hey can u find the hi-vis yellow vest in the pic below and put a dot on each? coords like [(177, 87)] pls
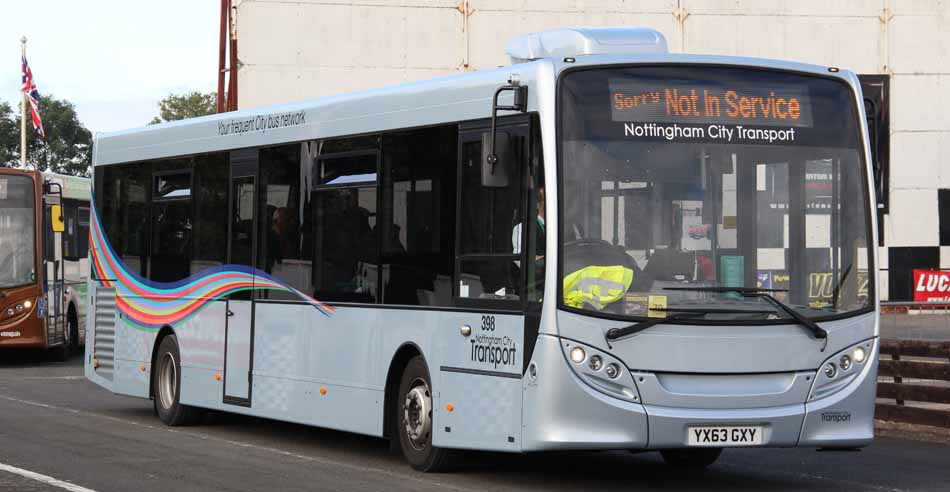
[(596, 286)]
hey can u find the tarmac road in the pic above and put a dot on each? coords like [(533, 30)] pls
[(56, 424)]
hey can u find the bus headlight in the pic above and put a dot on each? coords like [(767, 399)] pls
[(578, 355), (840, 369), (603, 372), (859, 354), (27, 304)]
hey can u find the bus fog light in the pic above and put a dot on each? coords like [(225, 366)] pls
[(10, 311), (596, 363), (830, 370), (613, 370), (845, 362), (578, 355), (19, 308), (859, 355)]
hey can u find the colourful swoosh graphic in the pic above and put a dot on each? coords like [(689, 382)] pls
[(150, 305)]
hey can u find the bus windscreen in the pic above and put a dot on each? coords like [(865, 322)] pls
[(699, 177), (17, 233)]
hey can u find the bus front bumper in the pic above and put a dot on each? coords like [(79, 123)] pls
[(561, 411)]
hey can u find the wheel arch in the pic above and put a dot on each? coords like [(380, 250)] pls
[(397, 365), (162, 333)]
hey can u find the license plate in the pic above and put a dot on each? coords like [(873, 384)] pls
[(738, 435)]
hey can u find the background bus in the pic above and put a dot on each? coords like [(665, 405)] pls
[(43, 273), (571, 252)]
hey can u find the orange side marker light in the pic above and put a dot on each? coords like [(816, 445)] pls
[(95, 363), (323, 391), (217, 377), (142, 367), (449, 407)]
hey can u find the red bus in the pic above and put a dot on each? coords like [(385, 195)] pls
[(44, 243)]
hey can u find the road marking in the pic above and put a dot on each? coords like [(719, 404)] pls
[(64, 378), (43, 478), (245, 445)]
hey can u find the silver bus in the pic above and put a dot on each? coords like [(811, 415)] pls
[(602, 245)]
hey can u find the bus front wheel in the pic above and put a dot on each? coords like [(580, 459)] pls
[(414, 418), (691, 458), (166, 376)]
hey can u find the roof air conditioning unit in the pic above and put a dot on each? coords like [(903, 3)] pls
[(570, 42)]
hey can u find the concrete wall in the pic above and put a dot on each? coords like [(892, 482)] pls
[(305, 48)]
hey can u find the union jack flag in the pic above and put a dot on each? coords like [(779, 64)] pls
[(29, 87)]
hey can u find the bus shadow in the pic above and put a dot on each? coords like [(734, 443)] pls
[(604, 470), (27, 358)]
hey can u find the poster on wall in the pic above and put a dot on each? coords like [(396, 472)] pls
[(931, 285)]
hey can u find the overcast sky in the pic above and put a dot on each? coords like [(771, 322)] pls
[(114, 59)]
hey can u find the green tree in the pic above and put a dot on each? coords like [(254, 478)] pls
[(67, 148), (9, 136), (189, 105)]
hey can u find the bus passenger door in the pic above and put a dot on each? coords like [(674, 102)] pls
[(482, 345), (239, 326)]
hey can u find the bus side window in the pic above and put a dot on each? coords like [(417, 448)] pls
[(346, 264), (82, 233), (417, 209)]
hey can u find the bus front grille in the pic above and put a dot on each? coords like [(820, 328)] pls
[(104, 348)]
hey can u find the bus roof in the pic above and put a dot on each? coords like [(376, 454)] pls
[(466, 96), (74, 187)]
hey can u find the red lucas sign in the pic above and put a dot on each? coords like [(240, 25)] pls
[(931, 285)]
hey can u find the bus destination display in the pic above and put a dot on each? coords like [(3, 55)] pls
[(693, 110)]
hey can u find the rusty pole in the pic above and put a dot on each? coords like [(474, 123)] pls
[(233, 68), (222, 50)]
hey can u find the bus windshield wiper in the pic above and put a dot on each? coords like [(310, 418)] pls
[(803, 320), (680, 314)]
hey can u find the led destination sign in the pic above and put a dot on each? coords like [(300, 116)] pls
[(676, 102)]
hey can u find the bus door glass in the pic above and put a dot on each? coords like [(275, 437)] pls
[(242, 235), (53, 268)]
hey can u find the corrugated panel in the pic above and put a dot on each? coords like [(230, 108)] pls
[(104, 349)]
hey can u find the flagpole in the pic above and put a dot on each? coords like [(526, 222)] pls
[(23, 104)]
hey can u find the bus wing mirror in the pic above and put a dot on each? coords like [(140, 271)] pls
[(56, 218), (495, 163)]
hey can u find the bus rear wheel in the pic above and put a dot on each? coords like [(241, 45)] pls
[(414, 418), (167, 386), (691, 458)]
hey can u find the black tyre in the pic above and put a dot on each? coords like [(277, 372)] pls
[(62, 352), (73, 322), (691, 458), (166, 384), (414, 418)]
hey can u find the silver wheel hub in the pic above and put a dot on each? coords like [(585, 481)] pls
[(417, 414), (167, 380)]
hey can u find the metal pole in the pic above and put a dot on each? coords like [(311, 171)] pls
[(23, 110)]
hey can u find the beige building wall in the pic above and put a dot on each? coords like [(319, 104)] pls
[(290, 50)]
